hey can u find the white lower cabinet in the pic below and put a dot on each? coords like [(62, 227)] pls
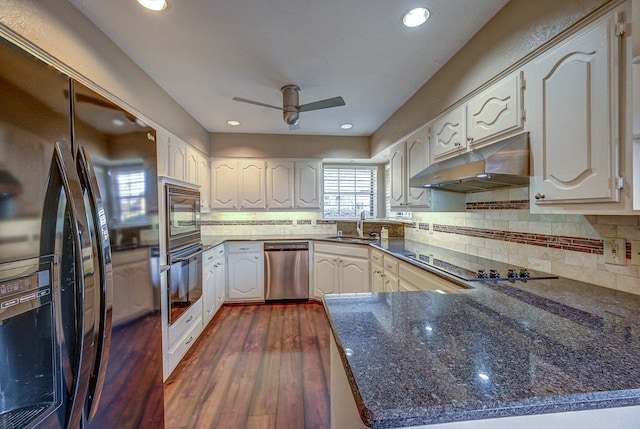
[(213, 280), (415, 278), (340, 268), (245, 270)]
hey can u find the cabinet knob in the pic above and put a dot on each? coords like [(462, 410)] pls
[(457, 144), (538, 196), (469, 139), (255, 257)]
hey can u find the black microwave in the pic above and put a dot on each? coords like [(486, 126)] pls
[(183, 217)]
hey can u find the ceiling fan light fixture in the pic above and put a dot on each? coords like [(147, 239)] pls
[(154, 4), (416, 17), (346, 126), (233, 123)]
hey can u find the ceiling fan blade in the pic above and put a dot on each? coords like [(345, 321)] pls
[(322, 104), (257, 103)]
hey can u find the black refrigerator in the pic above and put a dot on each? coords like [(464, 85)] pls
[(80, 325)]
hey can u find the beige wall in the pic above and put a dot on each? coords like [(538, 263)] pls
[(516, 31), (61, 31), (286, 146)]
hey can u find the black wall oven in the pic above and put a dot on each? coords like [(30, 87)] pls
[(184, 249), (183, 217), (185, 280)]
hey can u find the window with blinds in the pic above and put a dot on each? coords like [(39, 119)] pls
[(130, 195), (350, 190)]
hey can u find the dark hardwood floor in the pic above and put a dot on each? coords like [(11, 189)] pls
[(255, 366)]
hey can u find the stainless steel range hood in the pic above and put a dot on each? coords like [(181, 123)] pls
[(499, 165)]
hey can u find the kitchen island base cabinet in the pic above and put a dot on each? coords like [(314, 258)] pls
[(344, 411)]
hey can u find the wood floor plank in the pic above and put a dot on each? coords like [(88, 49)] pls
[(316, 392), (265, 394), (290, 413), (256, 366)]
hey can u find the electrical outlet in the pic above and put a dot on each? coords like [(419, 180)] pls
[(615, 251), (635, 252)]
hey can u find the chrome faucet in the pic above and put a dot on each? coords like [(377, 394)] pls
[(360, 224)]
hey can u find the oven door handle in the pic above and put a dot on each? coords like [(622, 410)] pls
[(189, 257), (105, 304), (84, 272)]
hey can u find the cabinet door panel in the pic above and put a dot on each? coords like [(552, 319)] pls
[(398, 175), (177, 159), (449, 133), (354, 275), (246, 277), (251, 184), (417, 150), (279, 184), (308, 184), (495, 111), (325, 274), (224, 183), (204, 180), (575, 140)]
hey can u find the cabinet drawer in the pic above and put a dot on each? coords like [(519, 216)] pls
[(355, 250), (209, 257), (390, 264), (244, 246), (193, 316), (178, 350), (377, 257)]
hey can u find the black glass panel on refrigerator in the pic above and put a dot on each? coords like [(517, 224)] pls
[(122, 150)]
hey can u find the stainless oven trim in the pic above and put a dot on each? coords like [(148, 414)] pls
[(178, 258), (184, 240)]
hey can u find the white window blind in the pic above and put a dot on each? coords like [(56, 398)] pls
[(130, 195), (349, 190)]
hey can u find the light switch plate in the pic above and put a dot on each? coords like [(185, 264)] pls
[(615, 251), (635, 252)]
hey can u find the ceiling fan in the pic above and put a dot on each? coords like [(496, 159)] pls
[(290, 107)]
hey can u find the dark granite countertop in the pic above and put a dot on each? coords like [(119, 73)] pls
[(499, 349)]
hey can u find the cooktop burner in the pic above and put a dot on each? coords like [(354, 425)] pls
[(475, 268)]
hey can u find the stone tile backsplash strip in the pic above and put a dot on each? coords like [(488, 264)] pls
[(570, 246)]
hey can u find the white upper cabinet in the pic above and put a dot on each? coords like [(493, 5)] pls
[(398, 176), (449, 134), (575, 130), (496, 111), (251, 184), (191, 167), (162, 152), (224, 184), (407, 159), (308, 184), (280, 184), (204, 180), (178, 159)]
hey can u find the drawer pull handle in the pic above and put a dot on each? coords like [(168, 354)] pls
[(189, 342), (189, 319), (243, 248), (210, 258)]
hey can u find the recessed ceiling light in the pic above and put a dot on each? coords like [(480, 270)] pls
[(118, 122), (233, 123), (416, 17), (346, 126), (154, 4)]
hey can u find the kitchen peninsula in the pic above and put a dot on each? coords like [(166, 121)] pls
[(547, 353)]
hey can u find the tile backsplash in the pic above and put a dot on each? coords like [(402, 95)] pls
[(566, 245), (266, 223)]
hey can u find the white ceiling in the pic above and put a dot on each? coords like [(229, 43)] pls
[(204, 52)]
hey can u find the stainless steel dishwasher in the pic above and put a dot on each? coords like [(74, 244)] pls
[(286, 271)]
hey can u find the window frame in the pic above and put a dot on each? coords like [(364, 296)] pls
[(372, 193)]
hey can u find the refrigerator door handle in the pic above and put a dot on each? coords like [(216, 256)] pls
[(85, 271), (105, 279)]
